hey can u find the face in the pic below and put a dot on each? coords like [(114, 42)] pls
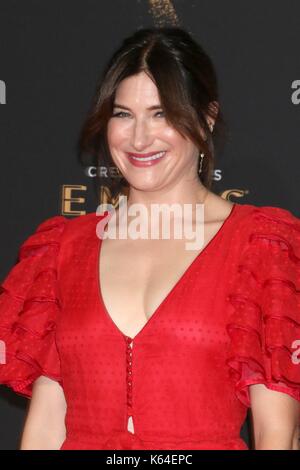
[(149, 153)]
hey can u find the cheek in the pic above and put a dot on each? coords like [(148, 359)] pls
[(175, 140), (114, 134)]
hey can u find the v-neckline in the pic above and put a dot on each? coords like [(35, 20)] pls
[(171, 291)]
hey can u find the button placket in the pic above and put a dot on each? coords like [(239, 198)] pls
[(129, 346)]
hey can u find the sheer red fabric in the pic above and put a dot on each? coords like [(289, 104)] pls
[(230, 321)]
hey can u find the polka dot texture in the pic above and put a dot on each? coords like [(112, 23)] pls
[(183, 379)]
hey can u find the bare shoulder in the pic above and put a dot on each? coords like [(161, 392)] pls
[(218, 208)]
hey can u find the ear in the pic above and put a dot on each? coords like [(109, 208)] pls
[(212, 114)]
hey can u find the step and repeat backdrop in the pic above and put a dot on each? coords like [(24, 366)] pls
[(51, 55)]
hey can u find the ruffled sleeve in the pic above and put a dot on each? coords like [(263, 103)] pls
[(29, 306), (264, 306)]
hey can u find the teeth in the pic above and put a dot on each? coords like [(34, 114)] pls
[(146, 159)]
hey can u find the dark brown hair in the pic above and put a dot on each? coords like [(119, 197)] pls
[(187, 85)]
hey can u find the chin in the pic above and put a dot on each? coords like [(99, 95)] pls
[(141, 186)]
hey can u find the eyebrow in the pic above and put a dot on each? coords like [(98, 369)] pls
[(156, 106)]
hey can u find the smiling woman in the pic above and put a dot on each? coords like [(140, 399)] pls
[(160, 79), (140, 343)]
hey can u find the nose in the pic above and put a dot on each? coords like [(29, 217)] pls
[(142, 136)]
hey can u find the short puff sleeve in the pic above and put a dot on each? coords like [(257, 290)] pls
[(264, 303), (29, 306)]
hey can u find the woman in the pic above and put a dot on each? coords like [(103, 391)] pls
[(140, 343)]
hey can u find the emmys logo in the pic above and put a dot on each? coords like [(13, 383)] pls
[(296, 94), (69, 199), (2, 92)]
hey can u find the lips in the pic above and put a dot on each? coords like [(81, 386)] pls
[(146, 159), (144, 155)]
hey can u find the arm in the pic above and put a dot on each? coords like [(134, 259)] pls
[(296, 439), (44, 427), (275, 419)]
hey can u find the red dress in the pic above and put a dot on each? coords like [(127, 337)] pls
[(231, 320)]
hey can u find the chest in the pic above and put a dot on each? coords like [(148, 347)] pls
[(137, 276)]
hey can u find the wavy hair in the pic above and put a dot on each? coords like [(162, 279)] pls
[(188, 89)]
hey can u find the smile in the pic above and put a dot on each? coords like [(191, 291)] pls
[(147, 159)]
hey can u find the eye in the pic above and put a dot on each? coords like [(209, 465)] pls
[(119, 114), (122, 113)]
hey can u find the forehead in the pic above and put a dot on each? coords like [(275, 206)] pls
[(137, 89)]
